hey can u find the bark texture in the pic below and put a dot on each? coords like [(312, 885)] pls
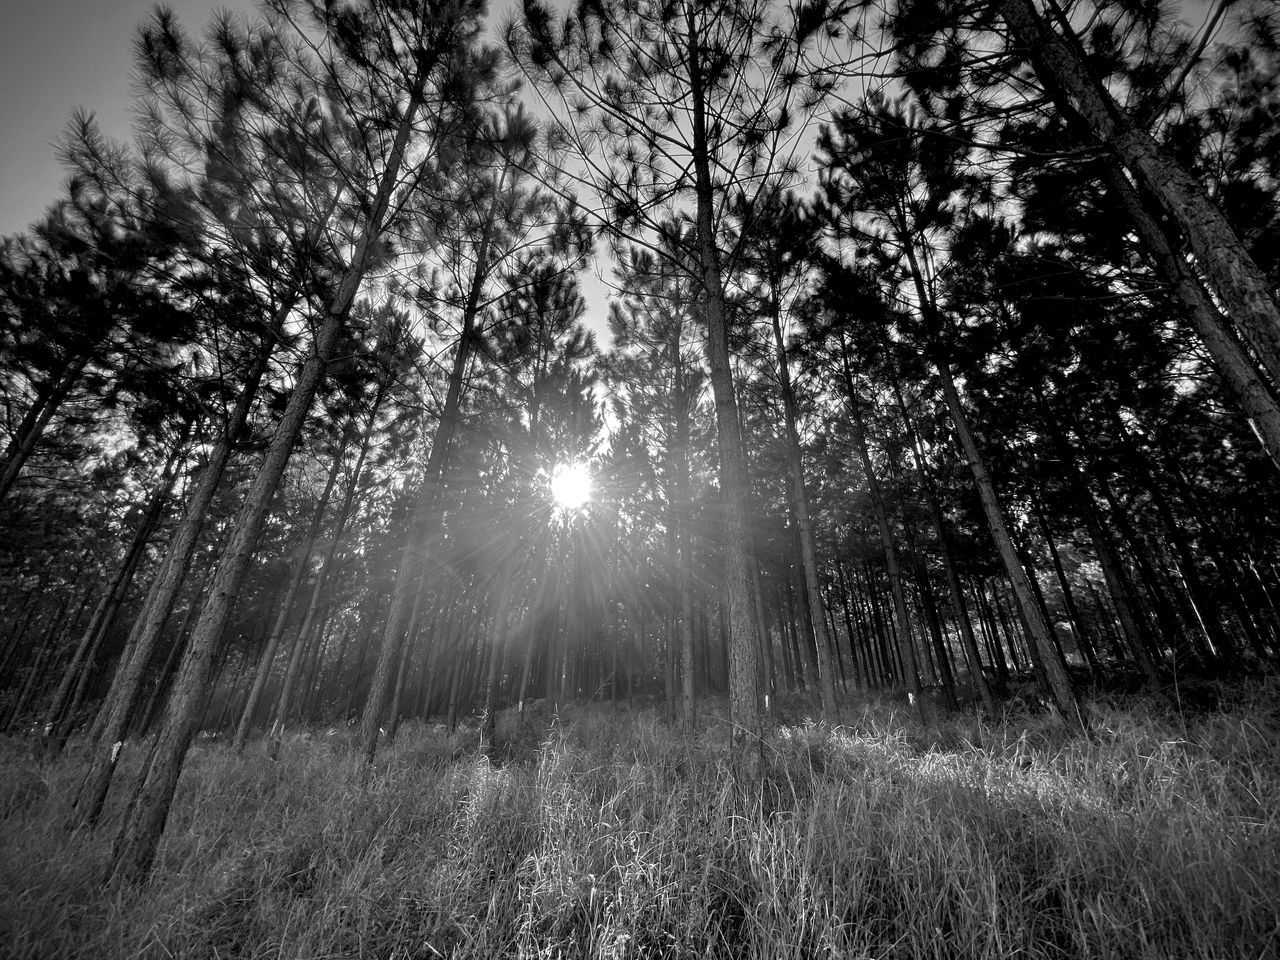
[(1234, 275)]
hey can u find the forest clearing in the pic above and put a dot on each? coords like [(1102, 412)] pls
[(613, 834), (634, 478)]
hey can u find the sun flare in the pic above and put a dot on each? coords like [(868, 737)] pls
[(570, 485)]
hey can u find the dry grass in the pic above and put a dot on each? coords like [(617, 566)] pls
[(615, 835)]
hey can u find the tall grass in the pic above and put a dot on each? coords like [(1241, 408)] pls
[(616, 835)]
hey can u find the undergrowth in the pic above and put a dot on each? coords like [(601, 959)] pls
[(615, 834)]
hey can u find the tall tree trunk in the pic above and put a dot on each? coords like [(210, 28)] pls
[(1162, 610), (143, 719), (744, 645), (268, 657), (147, 629), (428, 509), (71, 691), (45, 649), (857, 661), (1234, 275), (684, 528), (927, 484), (1044, 645), (886, 672), (1232, 362), (136, 847), (1083, 640), (402, 669), (986, 608), (308, 705), (800, 512), (1060, 688), (498, 641), (933, 620), (929, 311), (676, 705), (906, 644), (1204, 604)]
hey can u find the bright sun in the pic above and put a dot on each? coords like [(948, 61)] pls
[(570, 485)]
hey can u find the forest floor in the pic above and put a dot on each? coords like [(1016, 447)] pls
[(615, 834)]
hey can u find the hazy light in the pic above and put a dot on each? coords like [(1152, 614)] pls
[(570, 485)]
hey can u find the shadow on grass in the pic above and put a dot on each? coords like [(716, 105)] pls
[(615, 834)]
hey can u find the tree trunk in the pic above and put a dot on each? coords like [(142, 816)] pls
[(1234, 275), (676, 705), (933, 620), (53, 634), (427, 511), (684, 533), (142, 720), (135, 850), (906, 645), (1232, 362), (1204, 605), (71, 691), (1118, 585), (986, 606), (1064, 696), (804, 523), (136, 847), (744, 646), (150, 623), (498, 641), (1083, 640), (402, 669), (286, 605), (857, 662)]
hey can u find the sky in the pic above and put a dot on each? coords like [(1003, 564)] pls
[(56, 56)]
